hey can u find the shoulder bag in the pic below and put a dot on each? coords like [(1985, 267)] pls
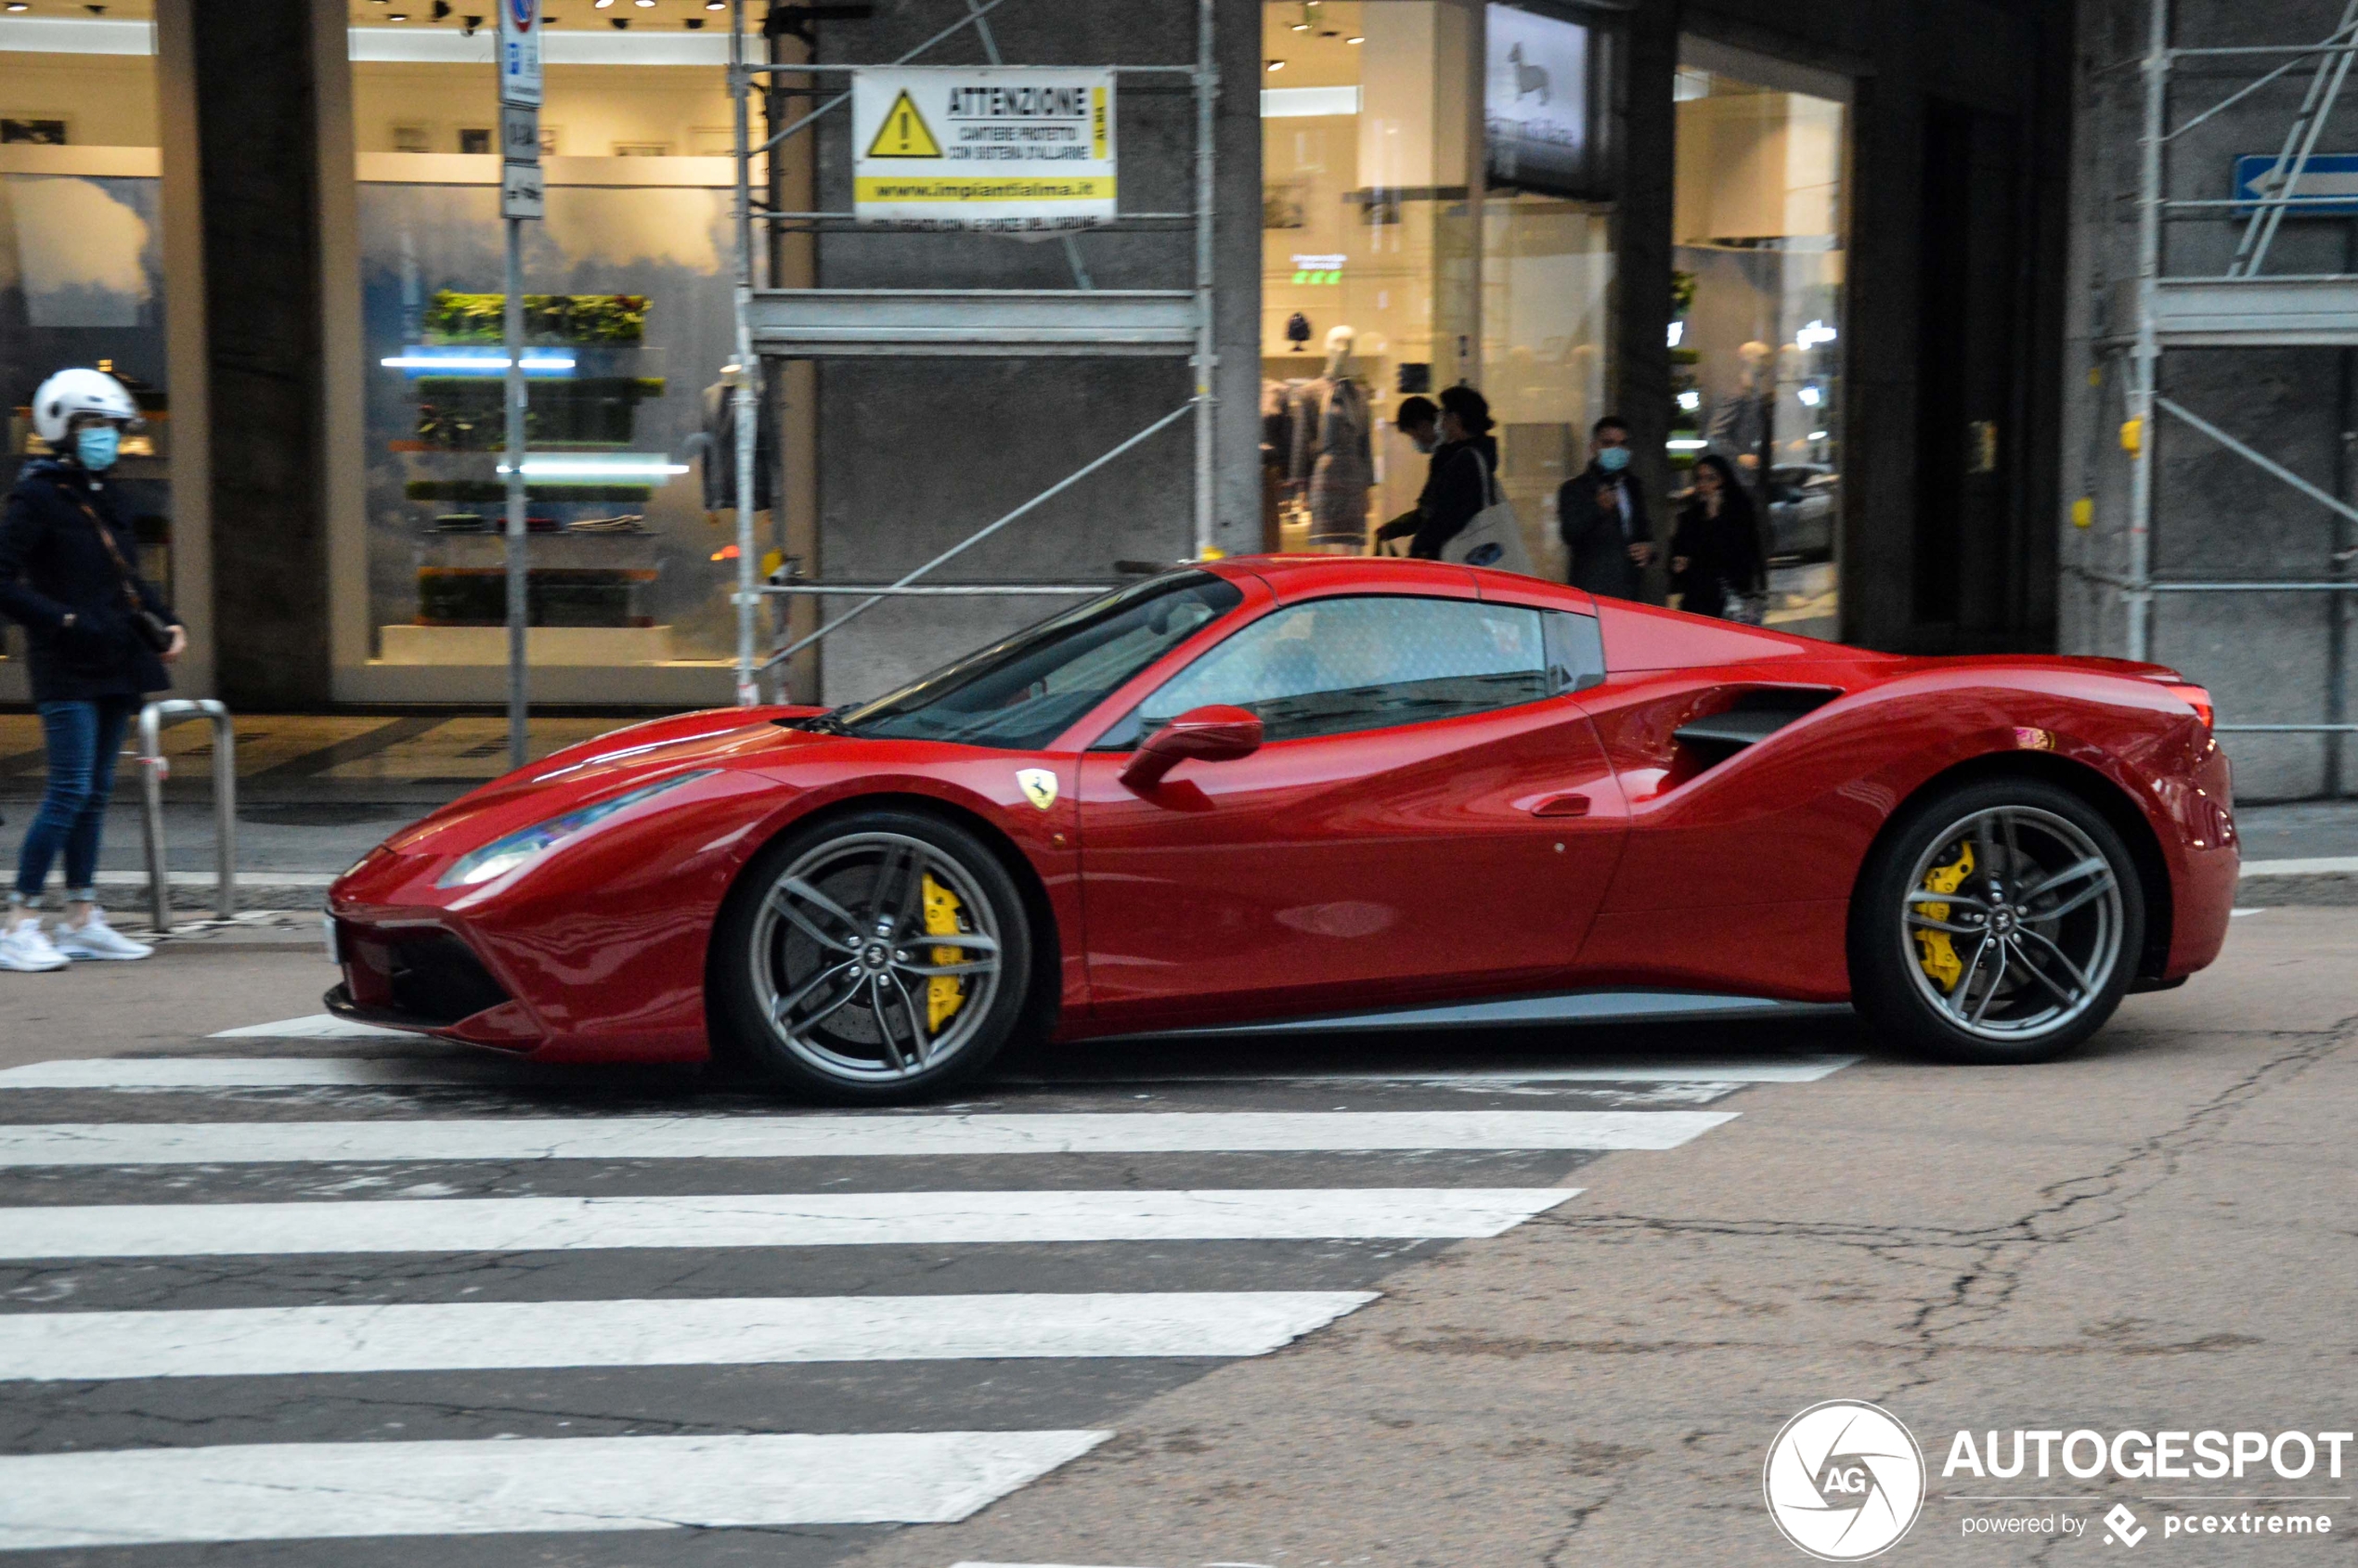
[(146, 625), (1494, 536)]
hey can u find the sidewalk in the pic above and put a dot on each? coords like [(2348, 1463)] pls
[(315, 793)]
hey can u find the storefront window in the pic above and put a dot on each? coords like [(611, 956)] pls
[(1756, 345), (629, 322), (82, 248), (1432, 200), (1367, 255)]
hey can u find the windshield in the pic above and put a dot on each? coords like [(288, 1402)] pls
[(1023, 691)]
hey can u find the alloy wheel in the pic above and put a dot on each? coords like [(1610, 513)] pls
[(876, 957), (2011, 924)]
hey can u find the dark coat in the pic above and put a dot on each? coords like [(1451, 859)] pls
[(1595, 536), (1454, 494), (1722, 555), (52, 562)]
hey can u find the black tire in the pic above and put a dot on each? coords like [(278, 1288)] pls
[(2021, 972), (839, 928)]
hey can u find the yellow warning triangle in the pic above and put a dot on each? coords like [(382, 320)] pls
[(903, 132)]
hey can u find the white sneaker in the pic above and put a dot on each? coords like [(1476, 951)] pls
[(27, 950), (95, 938)]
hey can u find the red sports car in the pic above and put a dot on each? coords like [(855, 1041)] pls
[(1286, 789)]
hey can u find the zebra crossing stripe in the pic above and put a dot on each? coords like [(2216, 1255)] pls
[(257, 1072), (513, 1224), (774, 1137), (475, 1068), (272, 1341), (301, 1490)]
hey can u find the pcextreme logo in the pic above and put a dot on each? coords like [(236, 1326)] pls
[(1845, 1481)]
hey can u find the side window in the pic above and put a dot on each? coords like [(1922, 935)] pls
[(1575, 652), (1336, 665)]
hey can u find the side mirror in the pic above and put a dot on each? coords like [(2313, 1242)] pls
[(1216, 733)]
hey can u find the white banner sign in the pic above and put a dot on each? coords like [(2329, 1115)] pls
[(950, 147)]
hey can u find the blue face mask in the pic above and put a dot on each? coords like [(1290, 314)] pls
[(1613, 460), (97, 444)]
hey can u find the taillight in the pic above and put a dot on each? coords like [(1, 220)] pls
[(2195, 698)]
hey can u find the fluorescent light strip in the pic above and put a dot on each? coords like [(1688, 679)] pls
[(303, 1491), (545, 364), (820, 1137), (598, 468), (441, 1337), (821, 1219)]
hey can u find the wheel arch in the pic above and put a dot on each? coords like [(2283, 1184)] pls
[(2101, 794), (1044, 997)]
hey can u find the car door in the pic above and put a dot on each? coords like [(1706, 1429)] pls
[(1429, 816)]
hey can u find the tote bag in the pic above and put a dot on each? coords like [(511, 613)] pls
[(1493, 537)]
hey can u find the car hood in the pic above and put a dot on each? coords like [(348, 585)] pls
[(734, 739)]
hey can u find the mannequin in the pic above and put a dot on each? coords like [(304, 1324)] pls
[(1738, 427), (1334, 450)]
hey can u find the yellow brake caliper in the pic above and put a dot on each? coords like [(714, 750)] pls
[(1940, 955), (944, 993)]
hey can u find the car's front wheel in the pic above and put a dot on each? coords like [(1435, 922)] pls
[(1997, 921), (873, 958)]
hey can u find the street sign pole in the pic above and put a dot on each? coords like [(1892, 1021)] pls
[(519, 198)]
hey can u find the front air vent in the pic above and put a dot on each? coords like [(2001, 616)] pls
[(1752, 717)]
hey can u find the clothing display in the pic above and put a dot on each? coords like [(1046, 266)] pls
[(1334, 451)]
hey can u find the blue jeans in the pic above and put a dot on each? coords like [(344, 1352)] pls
[(83, 739)]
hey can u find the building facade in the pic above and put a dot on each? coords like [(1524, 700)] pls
[(1827, 243)]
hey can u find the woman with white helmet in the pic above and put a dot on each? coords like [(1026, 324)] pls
[(99, 634)]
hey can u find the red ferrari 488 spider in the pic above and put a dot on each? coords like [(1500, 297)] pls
[(1287, 789)]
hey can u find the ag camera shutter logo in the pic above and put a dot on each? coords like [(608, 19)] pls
[(1845, 1481)]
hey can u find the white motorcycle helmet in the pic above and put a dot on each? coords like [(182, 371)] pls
[(70, 392)]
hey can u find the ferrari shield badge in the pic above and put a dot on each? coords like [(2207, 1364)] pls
[(1039, 785)]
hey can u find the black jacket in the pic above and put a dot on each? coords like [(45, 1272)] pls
[(1454, 494), (52, 562), (1595, 536), (1722, 555)]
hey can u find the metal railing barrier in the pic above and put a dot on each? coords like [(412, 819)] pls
[(153, 770)]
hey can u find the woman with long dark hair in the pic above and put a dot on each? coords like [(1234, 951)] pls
[(1714, 552)]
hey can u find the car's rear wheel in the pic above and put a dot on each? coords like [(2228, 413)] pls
[(873, 958), (1997, 921)]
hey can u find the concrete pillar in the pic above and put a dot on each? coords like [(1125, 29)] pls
[(274, 167)]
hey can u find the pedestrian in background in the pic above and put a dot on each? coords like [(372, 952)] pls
[(1601, 515), (1419, 420), (99, 638), (1458, 488), (1714, 552)]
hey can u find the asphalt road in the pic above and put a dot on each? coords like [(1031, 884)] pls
[(1347, 1307)]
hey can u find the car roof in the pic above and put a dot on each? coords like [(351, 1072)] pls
[(1308, 576)]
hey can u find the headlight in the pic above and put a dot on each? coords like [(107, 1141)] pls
[(504, 855)]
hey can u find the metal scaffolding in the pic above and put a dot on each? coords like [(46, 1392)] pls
[(2156, 310), (776, 323)]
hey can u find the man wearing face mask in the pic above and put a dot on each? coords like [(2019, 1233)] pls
[(1600, 515), (99, 638)]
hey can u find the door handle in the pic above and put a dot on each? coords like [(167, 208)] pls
[(1570, 804)]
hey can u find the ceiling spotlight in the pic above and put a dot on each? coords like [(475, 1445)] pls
[(441, 10), (1275, 65), (646, 5), (601, 4), (397, 16), (1355, 38), (18, 5), (715, 5)]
